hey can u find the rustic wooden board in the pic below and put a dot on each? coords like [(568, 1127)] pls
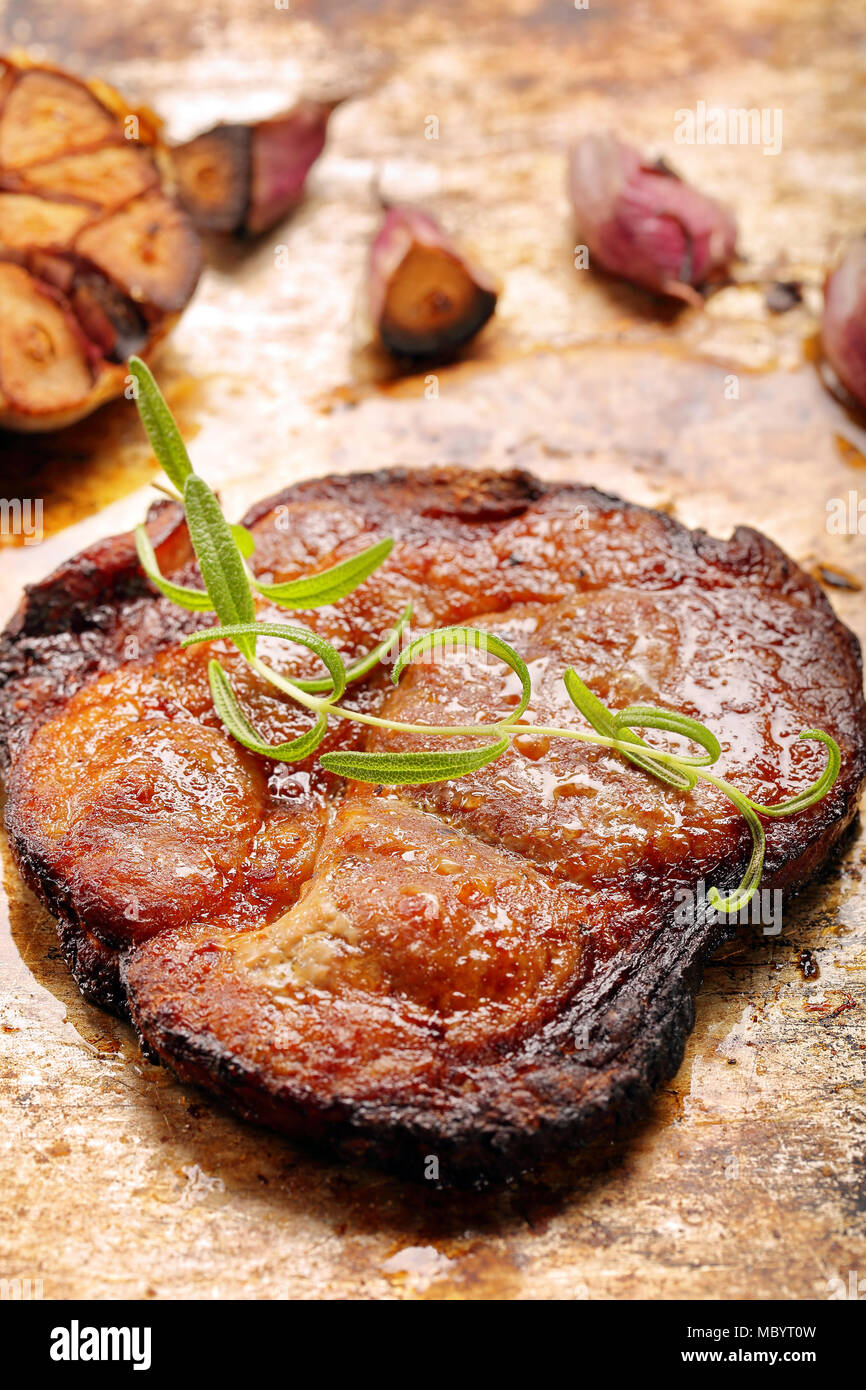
[(749, 1178)]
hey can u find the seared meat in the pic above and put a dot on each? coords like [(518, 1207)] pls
[(478, 970)]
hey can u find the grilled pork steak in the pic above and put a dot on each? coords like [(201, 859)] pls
[(478, 970)]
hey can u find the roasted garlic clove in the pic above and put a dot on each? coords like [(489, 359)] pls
[(843, 327), (244, 178), (30, 222), (150, 248), (642, 222), (425, 300), (103, 178), (47, 114), (43, 359), (212, 175)]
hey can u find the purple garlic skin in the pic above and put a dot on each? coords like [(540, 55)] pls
[(843, 327), (642, 222), (284, 151)]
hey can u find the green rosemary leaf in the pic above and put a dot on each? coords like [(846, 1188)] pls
[(411, 769), (222, 567), (649, 717), (589, 705), (329, 585), (454, 639), (243, 539), (195, 599), (240, 728), (364, 664), (337, 675), (159, 423), (818, 789), (604, 723), (742, 895)]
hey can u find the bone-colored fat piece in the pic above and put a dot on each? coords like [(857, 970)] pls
[(302, 948)]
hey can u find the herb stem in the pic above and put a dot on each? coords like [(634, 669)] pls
[(500, 728)]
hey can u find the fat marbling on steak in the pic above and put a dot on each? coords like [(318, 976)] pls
[(481, 970)]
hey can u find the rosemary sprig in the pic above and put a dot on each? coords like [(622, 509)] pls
[(222, 551)]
